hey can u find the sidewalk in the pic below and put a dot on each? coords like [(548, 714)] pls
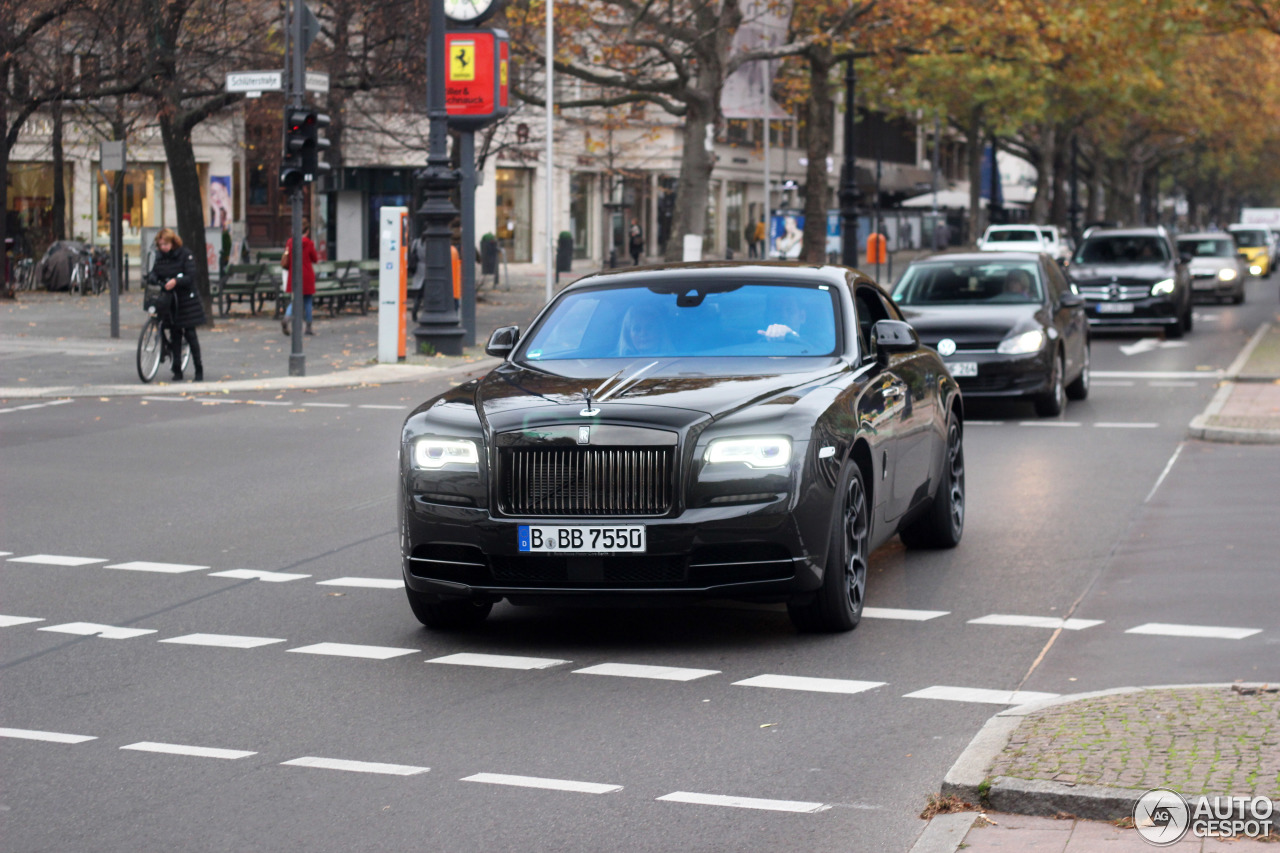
[(1064, 775), (1246, 408)]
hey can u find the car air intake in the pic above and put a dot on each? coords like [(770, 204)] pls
[(588, 481)]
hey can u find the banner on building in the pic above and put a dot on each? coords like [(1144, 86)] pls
[(746, 93)]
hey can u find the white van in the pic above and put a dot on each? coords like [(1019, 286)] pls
[(1013, 238)]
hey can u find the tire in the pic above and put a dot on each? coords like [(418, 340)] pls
[(1051, 403), (943, 524), (447, 615), (1173, 331), (150, 350), (837, 605), (186, 353), (1238, 299), (1188, 320), (1079, 389)]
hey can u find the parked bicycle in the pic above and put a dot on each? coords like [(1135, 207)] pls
[(154, 345)]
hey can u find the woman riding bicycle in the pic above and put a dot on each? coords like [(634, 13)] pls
[(175, 269)]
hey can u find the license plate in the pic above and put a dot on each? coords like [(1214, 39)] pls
[(963, 368), (582, 538), (1115, 307)]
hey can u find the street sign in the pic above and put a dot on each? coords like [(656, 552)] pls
[(111, 156), (475, 77), (317, 81), (255, 81), (310, 26)]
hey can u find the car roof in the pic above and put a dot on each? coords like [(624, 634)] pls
[(718, 270), (979, 257), (1205, 235), (1127, 232)]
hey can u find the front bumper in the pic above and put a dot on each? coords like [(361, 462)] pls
[(1214, 287), (1153, 311), (755, 551), (1002, 375)]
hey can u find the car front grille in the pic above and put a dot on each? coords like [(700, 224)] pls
[(1122, 292), (595, 481)]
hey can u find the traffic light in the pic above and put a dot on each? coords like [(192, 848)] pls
[(303, 144)]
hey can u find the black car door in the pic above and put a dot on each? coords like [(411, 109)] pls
[(1071, 323)]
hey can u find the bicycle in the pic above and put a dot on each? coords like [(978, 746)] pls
[(81, 273), (100, 273), (154, 345), (24, 274)]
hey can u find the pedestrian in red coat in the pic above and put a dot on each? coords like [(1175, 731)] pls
[(309, 259)]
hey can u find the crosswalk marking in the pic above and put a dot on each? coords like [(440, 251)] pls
[(56, 560), (1200, 631), (817, 685), (161, 568), (254, 575), (744, 802), (547, 784), (897, 613), (355, 766), (183, 749), (106, 632), (368, 583), (634, 670), (347, 650), (978, 694), (1035, 622), (225, 641), (51, 737), (10, 621), (498, 661)]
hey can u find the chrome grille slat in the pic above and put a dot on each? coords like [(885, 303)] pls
[(585, 481)]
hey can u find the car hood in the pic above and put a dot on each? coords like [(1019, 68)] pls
[(672, 390), (1121, 272), (972, 324)]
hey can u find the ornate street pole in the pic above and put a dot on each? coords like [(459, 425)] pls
[(439, 325), (849, 194)]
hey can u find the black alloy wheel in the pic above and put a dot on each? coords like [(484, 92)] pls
[(837, 605), (943, 524), (1052, 402)]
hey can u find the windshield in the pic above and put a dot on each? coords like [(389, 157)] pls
[(1250, 239), (1009, 282), (1015, 236), (1122, 249), (675, 321), (1209, 248)]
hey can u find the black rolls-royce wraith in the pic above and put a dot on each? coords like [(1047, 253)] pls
[(745, 431)]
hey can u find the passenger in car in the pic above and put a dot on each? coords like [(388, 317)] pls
[(644, 331)]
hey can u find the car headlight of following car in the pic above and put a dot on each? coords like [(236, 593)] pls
[(432, 453), (1162, 288), (764, 452), (1027, 342), (1255, 269), (1227, 274)]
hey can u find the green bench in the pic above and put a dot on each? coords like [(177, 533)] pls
[(342, 284), (244, 283)]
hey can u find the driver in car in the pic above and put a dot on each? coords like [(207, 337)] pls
[(791, 316)]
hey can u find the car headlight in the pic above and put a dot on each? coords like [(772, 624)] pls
[(1227, 274), (433, 453), (1162, 288), (1032, 341), (1255, 269), (767, 452)]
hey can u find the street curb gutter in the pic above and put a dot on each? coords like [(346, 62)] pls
[(1201, 426)]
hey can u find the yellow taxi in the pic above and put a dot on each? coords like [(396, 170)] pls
[(1254, 242)]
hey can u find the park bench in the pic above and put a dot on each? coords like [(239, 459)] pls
[(241, 283)]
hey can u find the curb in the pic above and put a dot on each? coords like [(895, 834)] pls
[(1201, 427), (381, 374)]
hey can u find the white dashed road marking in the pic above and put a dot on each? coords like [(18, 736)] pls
[(1035, 622), (224, 641), (355, 766), (10, 621), (744, 802), (254, 575), (368, 583), (662, 673), (106, 632), (183, 749), (1156, 374), (908, 615), (1126, 425), (327, 405), (817, 685), (29, 406), (977, 694), (1203, 631), (56, 560), (547, 784), (394, 408), (1049, 423), (161, 568), (1172, 384), (498, 661), (51, 737), (1106, 383), (346, 650)]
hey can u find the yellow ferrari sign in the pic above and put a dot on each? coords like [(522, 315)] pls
[(462, 61)]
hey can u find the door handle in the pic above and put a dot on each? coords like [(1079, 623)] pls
[(893, 391)]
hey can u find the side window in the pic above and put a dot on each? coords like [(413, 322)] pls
[(1058, 283)]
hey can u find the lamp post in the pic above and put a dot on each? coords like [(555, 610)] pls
[(849, 194), (439, 324)]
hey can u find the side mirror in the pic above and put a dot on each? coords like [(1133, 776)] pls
[(892, 336), (1071, 300), (502, 341)]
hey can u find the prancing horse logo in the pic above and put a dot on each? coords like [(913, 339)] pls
[(584, 435)]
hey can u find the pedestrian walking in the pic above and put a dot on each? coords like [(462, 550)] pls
[(635, 241), (175, 269), (309, 259), (749, 235), (760, 235)]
